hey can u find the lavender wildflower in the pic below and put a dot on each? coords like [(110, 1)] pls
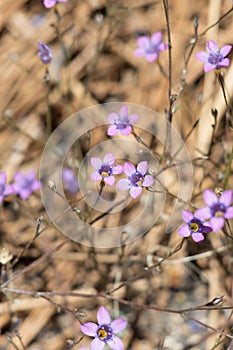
[(150, 47), (105, 169), (70, 181), (121, 123), (45, 53), (194, 226), (51, 3), (5, 190), (25, 183)]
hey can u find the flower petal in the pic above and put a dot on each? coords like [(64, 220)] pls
[(49, 3), (124, 111), (202, 56), (103, 316), (89, 328), (97, 344), (115, 343), (226, 198), (197, 237), (210, 197), (126, 131), (109, 180), (156, 38), (117, 169), (95, 176), (118, 325), (151, 57), (225, 63), (187, 215), (112, 118), (109, 158), (224, 51), (212, 46), (206, 228), (133, 118), (142, 167), (217, 223), (203, 213), (229, 213), (96, 162), (3, 178), (148, 181), (208, 67), (143, 41), (163, 46), (135, 191), (123, 185), (184, 231), (129, 169), (112, 130)]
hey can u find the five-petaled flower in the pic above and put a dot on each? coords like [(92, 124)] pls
[(150, 47), (5, 190), (214, 58), (104, 332), (25, 183), (121, 123), (194, 226), (136, 178), (218, 208), (51, 3), (45, 53), (70, 181), (105, 169)]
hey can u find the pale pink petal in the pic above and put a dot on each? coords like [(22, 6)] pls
[(133, 118), (156, 38), (148, 181), (24, 194), (224, 51), (203, 213), (2, 178), (126, 131), (112, 118), (217, 223), (202, 56), (225, 63), (103, 316), (129, 169), (139, 52), (184, 231), (226, 198), (118, 325), (210, 197), (112, 130), (135, 191), (117, 169), (208, 67), (115, 343), (36, 185), (95, 176), (109, 180), (151, 57), (123, 184), (143, 41), (96, 162), (212, 46), (89, 328), (197, 237), (9, 189), (229, 213), (49, 3), (124, 111), (97, 344), (142, 167), (187, 215), (163, 46), (109, 158)]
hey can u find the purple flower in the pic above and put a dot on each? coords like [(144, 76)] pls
[(150, 47), (70, 181), (105, 169), (218, 208), (214, 59), (25, 183), (121, 123), (104, 331), (194, 226), (45, 53), (136, 180), (51, 3), (5, 190)]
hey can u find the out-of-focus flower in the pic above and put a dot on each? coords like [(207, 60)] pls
[(105, 169), (121, 123), (70, 181), (25, 183), (136, 179), (218, 208), (5, 190), (214, 58), (150, 47), (104, 332), (5, 256), (45, 53), (194, 226), (51, 3)]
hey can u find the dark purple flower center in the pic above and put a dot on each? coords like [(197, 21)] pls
[(105, 170), (2, 189), (136, 179), (215, 58), (105, 332), (151, 48), (195, 225), (122, 122), (218, 210)]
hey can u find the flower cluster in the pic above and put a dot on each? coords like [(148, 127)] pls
[(209, 218), (104, 332), (134, 182), (24, 185)]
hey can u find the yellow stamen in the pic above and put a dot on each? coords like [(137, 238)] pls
[(102, 334), (194, 227), (219, 214), (104, 174)]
